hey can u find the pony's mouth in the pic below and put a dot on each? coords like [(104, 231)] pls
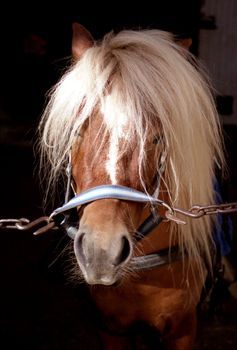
[(101, 274), (98, 279)]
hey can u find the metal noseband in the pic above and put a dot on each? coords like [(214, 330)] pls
[(112, 192), (107, 192)]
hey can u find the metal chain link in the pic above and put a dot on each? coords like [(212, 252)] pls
[(12, 223), (198, 211), (45, 223)]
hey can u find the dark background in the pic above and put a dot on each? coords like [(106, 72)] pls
[(39, 307)]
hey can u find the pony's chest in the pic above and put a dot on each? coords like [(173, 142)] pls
[(121, 307)]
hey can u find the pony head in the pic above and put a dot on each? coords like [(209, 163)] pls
[(133, 110)]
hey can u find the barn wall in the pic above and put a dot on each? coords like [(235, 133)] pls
[(218, 50)]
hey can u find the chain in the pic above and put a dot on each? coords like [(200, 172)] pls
[(13, 223), (40, 225), (198, 211), (45, 223)]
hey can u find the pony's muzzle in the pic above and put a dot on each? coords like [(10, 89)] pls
[(101, 260)]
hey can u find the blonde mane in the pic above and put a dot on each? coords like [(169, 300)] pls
[(144, 76)]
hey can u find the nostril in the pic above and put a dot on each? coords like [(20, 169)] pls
[(78, 247), (124, 253), (80, 239)]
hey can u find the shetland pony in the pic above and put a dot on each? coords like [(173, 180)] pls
[(135, 111)]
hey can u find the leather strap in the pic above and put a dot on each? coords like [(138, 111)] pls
[(157, 259)]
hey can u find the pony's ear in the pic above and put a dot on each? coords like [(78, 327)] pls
[(185, 44), (81, 40)]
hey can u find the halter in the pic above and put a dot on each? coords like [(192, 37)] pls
[(123, 193)]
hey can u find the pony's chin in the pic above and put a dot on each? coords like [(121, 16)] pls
[(101, 281), (105, 280)]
